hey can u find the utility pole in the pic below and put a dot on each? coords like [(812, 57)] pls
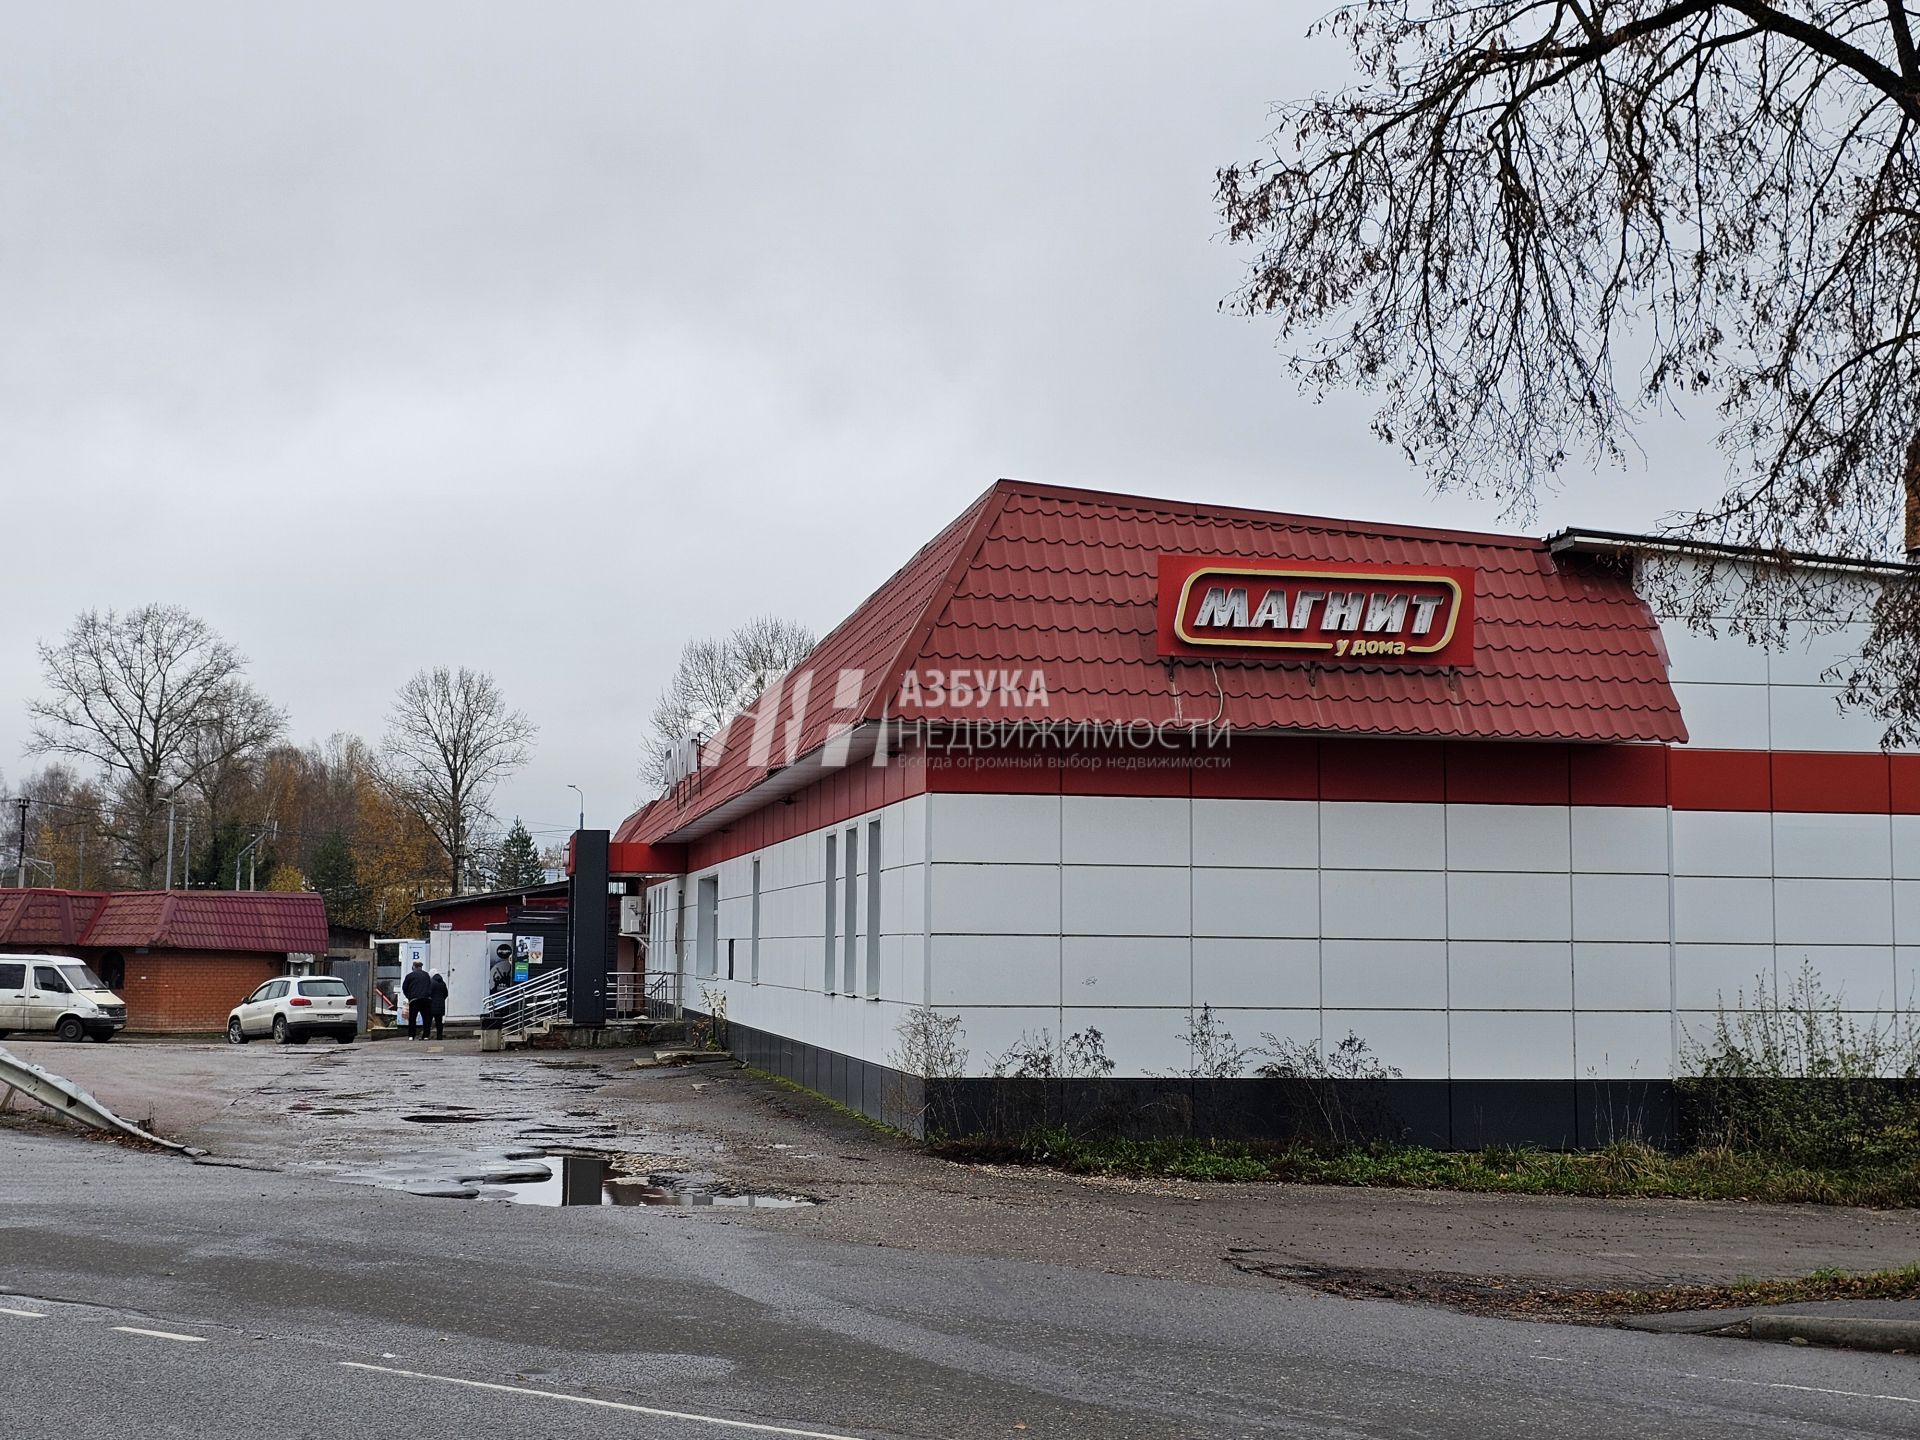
[(186, 857), (20, 858), (169, 844)]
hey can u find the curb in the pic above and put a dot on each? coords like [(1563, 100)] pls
[(1838, 1331)]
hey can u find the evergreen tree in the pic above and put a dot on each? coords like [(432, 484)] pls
[(333, 873), (520, 864)]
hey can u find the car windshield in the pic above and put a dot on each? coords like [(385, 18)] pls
[(323, 987), (81, 978)]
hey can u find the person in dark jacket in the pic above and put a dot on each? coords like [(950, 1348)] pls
[(417, 988), (437, 1006)]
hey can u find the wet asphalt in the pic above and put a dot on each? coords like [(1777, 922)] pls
[(319, 1304)]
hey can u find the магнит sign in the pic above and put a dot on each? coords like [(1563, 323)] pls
[(1279, 610)]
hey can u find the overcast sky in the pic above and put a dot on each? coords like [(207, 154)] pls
[(543, 338)]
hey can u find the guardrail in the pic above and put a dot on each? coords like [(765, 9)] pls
[(62, 1096)]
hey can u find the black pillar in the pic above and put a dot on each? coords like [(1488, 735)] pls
[(588, 935)]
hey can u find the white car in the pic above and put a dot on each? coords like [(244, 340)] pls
[(295, 1008)]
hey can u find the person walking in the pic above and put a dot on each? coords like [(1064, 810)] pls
[(437, 1006), (418, 990)]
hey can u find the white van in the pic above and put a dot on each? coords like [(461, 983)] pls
[(57, 995)]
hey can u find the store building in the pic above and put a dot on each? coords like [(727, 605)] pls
[(1157, 769), (181, 959)]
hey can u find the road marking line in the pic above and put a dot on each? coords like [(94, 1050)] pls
[(1807, 1389), (601, 1404), (24, 1314), (161, 1334)]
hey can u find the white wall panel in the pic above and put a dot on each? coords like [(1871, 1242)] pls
[(1508, 837), (1622, 977), (996, 970), (1357, 835), (1511, 1045), (1833, 912), (1125, 830), (1611, 1045), (1510, 975), (1721, 659), (1906, 847), (1625, 839), (1906, 976), (1620, 907), (913, 828), (1255, 1030), (1809, 717), (990, 1031), (1384, 974), (1284, 833), (1387, 905), (1256, 902), (1496, 906), (1109, 970), (996, 900), (1859, 977), (1723, 717), (1836, 846), (1717, 977), (1722, 911), (997, 829), (1271, 974), (1808, 655), (1722, 842), (1412, 1041), (1906, 912), (1127, 900), (1139, 1042)]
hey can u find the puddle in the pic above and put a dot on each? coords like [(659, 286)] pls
[(438, 1118), (590, 1180)]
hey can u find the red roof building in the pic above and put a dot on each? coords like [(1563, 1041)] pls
[(180, 959), (1100, 765)]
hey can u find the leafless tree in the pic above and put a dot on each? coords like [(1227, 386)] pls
[(714, 681), (156, 699), (1531, 223), (450, 740)]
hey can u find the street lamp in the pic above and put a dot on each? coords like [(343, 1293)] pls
[(583, 804)]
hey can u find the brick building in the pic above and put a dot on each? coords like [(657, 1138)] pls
[(180, 959)]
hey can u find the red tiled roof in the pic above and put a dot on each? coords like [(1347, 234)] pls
[(30, 918), (1066, 581), (261, 922)]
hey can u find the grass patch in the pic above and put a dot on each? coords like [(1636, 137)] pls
[(1624, 1169), (794, 1087)]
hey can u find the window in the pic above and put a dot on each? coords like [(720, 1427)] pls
[(753, 943), (851, 938), (46, 978), (873, 907), (833, 873), (707, 936), (13, 977), (81, 977), (276, 990), (323, 987)]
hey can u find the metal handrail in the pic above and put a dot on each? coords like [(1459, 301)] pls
[(522, 1006)]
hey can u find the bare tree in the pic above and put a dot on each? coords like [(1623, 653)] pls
[(450, 740), (714, 681), (156, 699), (1534, 222)]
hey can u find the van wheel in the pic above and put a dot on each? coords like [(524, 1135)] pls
[(235, 1035), (70, 1029), (280, 1035)]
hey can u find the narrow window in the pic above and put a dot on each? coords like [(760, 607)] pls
[(873, 907), (753, 944), (853, 909), (833, 872), (707, 936)]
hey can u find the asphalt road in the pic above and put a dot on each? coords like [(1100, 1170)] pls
[(318, 1308)]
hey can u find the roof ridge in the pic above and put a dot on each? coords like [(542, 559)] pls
[(1333, 523), (914, 641)]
